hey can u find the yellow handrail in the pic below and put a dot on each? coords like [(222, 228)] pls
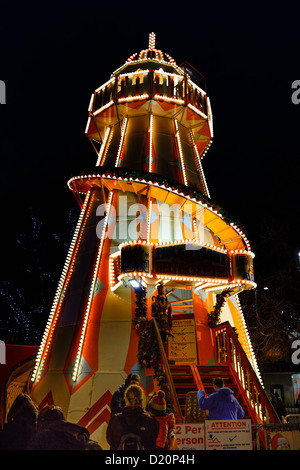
[(197, 378)]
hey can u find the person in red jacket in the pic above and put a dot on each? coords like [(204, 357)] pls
[(157, 408), (221, 404)]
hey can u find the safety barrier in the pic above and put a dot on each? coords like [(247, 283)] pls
[(291, 418), (150, 84), (276, 436)]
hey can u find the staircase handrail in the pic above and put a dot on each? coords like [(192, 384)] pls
[(168, 374), (197, 378), (259, 402)]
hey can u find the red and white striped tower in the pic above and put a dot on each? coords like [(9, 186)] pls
[(146, 214)]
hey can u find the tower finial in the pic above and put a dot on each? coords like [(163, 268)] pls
[(151, 41)]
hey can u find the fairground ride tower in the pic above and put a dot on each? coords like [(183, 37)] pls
[(146, 216)]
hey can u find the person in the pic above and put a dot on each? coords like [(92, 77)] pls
[(133, 428), (20, 429), (55, 433), (279, 407), (222, 403), (161, 310), (118, 402), (157, 408)]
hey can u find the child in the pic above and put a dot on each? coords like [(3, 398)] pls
[(158, 409)]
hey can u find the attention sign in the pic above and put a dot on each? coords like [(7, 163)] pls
[(224, 434), (228, 434)]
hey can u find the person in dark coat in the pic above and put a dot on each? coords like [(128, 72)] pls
[(132, 420), (55, 433), (279, 407), (118, 401), (221, 404), (19, 431)]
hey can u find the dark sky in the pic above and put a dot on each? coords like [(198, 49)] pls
[(53, 56)]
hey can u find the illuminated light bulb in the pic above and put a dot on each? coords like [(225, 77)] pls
[(151, 41), (103, 145), (150, 142), (169, 99), (87, 125), (121, 140), (103, 108), (105, 85), (131, 74), (180, 153), (200, 169), (133, 98), (197, 111), (91, 102), (134, 283)]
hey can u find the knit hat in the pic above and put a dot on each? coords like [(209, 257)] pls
[(131, 377), (157, 404)]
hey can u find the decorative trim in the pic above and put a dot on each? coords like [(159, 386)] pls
[(214, 315)]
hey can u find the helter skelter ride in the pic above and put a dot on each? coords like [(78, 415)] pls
[(147, 218)]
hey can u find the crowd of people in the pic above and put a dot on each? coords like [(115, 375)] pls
[(132, 425), (27, 428)]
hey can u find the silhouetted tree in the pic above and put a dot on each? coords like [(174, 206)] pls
[(272, 311), (29, 280)]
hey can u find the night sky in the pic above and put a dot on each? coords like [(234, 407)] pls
[(53, 56)]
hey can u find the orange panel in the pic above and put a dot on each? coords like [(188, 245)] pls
[(203, 333)]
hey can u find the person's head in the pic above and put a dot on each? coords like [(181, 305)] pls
[(134, 396), (157, 405), (218, 383), (132, 379), (50, 413), (23, 407)]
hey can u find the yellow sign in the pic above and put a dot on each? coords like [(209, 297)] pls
[(182, 347)]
